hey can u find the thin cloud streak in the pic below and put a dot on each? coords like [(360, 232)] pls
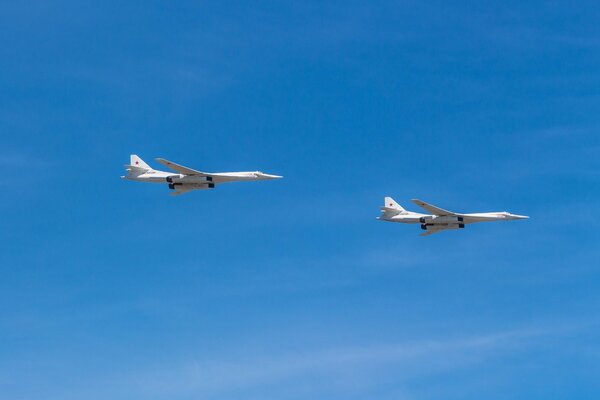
[(410, 360), (19, 161)]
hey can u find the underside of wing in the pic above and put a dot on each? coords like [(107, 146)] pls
[(432, 209), (181, 190), (431, 231), (180, 168)]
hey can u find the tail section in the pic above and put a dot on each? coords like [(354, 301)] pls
[(137, 162), (391, 205), (391, 209), (136, 167)]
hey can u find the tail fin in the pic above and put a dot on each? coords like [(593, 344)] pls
[(391, 209), (137, 162), (391, 204), (136, 167)]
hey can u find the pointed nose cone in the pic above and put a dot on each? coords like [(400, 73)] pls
[(515, 216), (268, 176)]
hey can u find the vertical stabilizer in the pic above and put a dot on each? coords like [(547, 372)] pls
[(137, 162), (391, 203)]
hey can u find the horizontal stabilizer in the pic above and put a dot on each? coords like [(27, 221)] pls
[(134, 169), (389, 210)]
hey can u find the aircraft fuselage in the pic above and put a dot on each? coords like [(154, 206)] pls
[(442, 219)]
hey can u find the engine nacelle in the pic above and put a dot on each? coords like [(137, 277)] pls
[(191, 186), (442, 226), (195, 179), (446, 219), (173, 178)]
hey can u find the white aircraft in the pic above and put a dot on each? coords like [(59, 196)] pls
[(439, 220), (186, 179)]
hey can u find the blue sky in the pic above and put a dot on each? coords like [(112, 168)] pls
[(291, 289)]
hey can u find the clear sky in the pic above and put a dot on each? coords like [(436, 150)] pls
[(291, 289)]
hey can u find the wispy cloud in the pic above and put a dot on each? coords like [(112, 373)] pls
[(16, 160), (23, 164), (343, 368)]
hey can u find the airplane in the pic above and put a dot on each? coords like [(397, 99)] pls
[(439, 220), (186, 179)]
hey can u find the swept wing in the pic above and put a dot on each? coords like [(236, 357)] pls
[(181, 169), (432, 209)]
